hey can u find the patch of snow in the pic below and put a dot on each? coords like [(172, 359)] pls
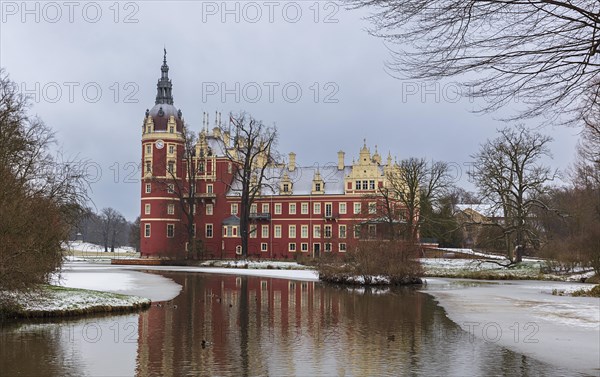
[(559, 330), (119, 280), (91, 247)]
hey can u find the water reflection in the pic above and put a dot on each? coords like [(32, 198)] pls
[(227, 325)]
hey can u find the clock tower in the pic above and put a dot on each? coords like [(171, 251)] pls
[(162, 171)]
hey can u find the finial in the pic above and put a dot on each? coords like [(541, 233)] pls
[(375, 148), (364, 142), (165, 57), (216, 118)]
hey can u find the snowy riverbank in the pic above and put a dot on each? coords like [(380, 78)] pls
[(525, 317), (54, 301)]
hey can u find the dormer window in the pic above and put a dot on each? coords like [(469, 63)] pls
[(286, 187), (171, 129), (317, 187)]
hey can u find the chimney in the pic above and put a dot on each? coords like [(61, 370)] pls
[(341, 163), (292, 163)]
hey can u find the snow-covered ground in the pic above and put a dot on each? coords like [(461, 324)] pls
[(118, 280), (524, 316), (91, 247), (60, 301)]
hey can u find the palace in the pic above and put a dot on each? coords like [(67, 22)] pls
[(308, 211)]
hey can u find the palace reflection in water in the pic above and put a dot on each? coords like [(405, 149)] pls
[(228, 325)]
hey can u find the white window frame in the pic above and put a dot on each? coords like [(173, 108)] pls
[(342, 233), (304, 231), (357, 208), (277, 231), (328, 209), (342, 208), (292, 231), (372, 208), (292, 247), (292, 208), (148, 188), (264, 231), (304, 208), (147, 230), (277, 208), (147, 208), (171, 226), (316, 208), (342, 247), (253, 229), (327, 229), (210, 209), (206, 231), (304, 247), (234, 208), (265, 208), (316, 231), (170, 209), (264, 247)]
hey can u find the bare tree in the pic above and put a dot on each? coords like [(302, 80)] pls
[(112, 227), (185, 188), (414, 182), (252, 153), (544, 53), (40, 194), (508, 174)]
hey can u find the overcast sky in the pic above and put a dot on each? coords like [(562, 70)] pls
[(92, 69)]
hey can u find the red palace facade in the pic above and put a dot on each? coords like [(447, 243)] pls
[(305, 211)]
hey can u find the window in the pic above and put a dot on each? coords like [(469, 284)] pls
[(317, 231), (327, 247), (209, 209), (252, 230), (170, 188), (304, 231), (148, 148), (234, 208), (265, 208), (292, 231), (328, 210), (263, 247), (317, 187), (357, 187), (170, 209), (292, 208), (342, 247), (201, 167), (372, 230), (286, 187), (253, 208), (342, 208), (304, 208), (209, 188), (277, 231), (148, 188), (357, 208), (171, 149), (356, 231), (148, 166), (265, 231), (147, 209), (317, 208), (171, 130), (372, 208), (170, 230), (342, 231), (278, 208), (371, 185), (327, 230), (230, 231), (238, 251), (292, 247), (304, 247), (365, 185), (171, 167), (147, 230)]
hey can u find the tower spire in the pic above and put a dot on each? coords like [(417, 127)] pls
[(164, 87)]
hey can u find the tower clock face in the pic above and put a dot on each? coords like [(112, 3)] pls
[(160, 144)]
